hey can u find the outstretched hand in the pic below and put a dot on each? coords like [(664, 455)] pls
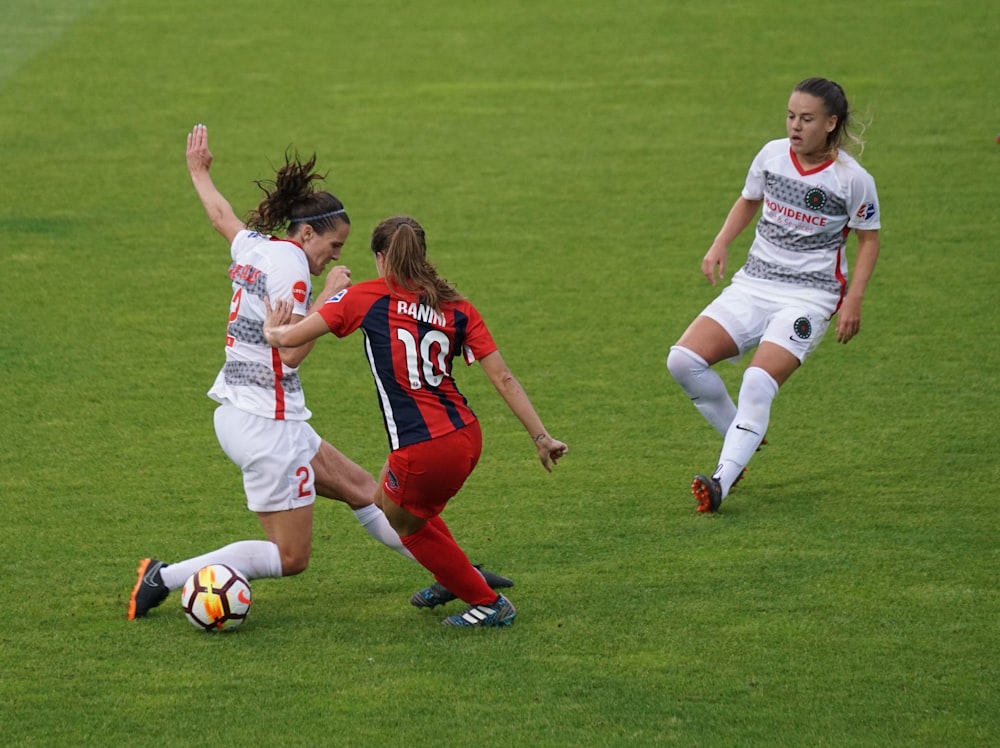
[(199, 158), (549, 451)]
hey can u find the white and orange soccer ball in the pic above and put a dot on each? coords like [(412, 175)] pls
[(216, 598)]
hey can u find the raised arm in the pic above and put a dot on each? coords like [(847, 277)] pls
[(549, 449), (199, 161)]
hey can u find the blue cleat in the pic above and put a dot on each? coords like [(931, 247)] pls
[(498, 613), (438, 594)]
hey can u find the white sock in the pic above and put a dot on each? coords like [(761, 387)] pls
[(254, 559), (747, 431), (703, 385), (376, 525)]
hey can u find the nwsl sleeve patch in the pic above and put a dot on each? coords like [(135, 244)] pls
[(866, 211), (337, 297)]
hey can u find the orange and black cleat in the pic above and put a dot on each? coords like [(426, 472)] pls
[(149, 590), (708, 493)]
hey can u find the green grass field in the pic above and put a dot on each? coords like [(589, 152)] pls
[(571, 163)]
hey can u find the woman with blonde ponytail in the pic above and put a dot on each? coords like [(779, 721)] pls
[(415, 324)]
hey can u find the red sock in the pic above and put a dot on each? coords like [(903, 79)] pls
[(438, 552), (441, 526)]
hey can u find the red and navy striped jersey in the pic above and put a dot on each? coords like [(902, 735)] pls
[(410, 348)]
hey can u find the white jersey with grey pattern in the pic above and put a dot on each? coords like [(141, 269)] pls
[(806, 215), (253, 377)]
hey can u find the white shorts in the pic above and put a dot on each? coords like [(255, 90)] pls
[(274, 456), (751, 319)]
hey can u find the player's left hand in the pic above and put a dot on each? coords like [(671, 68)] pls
[(337, 280), (848, 320), (278, 315)]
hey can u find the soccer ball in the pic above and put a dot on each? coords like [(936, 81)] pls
[(216, 598)]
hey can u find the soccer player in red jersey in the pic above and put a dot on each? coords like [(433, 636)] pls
[(261, 420), (414, 324)]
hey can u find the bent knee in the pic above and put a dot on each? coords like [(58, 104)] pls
[(683, 363), (293, 563)]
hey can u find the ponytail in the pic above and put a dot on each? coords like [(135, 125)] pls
[(402, 243), (291, 201)]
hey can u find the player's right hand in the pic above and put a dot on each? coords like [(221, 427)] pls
[(715, 262), (199, 158)]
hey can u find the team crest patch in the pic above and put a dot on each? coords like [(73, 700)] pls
[(392, 480), (803, 328), (815, 199)]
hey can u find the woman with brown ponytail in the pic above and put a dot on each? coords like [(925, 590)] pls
[(262, 420), (811, 194), (414, 324)]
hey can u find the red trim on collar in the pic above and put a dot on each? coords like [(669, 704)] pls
[(806, 172), (290, 241)]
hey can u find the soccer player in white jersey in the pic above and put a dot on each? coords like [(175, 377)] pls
[(811, 194), (262, 420)]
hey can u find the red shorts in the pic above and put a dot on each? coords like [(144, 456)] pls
[(422, 477)]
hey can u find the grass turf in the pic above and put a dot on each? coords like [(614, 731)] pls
[(571, 163)]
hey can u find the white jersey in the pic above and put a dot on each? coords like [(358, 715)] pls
[(254, 379), (806, 216)]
